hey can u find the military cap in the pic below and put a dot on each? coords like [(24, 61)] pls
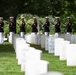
[(11, 17), (34, 18), (22, 17), (46, 17), (68, 17), (1, 18), (57, 17)]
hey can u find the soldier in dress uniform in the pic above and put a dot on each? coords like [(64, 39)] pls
[(47, 26), (69, 25), (11, 24), (1, 30), (11, 28), (22, 28), (34, 26), (57, 25)]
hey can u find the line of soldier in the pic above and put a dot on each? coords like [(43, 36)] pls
[(46, 26), (12, 26), (34, 26)]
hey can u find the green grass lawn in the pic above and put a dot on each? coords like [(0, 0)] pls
[(8, 62), (9, 66)]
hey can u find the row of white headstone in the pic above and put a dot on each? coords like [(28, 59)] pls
[(30, 58), (65, 51), (63, 45), (33, 38)]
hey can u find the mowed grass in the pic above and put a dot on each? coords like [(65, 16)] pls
[(9, 66), (55, 64), (8, 62)]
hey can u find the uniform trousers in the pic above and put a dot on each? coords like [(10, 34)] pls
[(46, 33), (1, 38), (22, 34), (10, 36)]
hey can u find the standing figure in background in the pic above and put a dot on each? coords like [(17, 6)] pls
[(57, 27), (69, 25), (47, 26), (11, 25), (22, 28), (34, 26), (1, 30), (11, 28)]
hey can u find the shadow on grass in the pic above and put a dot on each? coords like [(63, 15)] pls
[(6, 47), (38, 47)]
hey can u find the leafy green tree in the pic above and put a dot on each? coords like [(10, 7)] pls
[(62, 8)]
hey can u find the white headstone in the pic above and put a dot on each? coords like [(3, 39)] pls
[(31, 55), (36, 67), (43, 41), (51, 42), (33, 38), (72, 39), (58, 46), (56, 35), (68, 36), (38, 39), (63, 50), (46, 42), (62, 36), (28, 38), (71, 55)]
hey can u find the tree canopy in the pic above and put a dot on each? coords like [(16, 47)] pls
[(38, 7)]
